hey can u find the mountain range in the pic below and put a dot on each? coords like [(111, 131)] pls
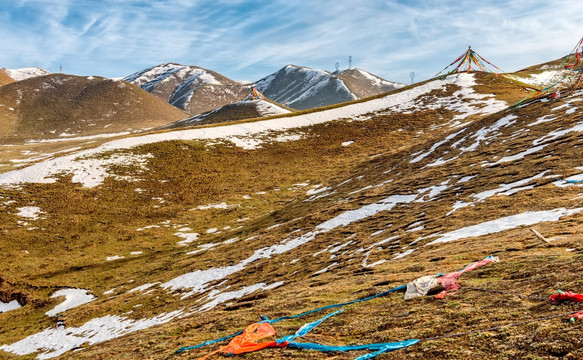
[(197, 90)]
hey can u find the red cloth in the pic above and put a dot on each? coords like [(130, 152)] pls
[(567, 296), (448, 281), (577, 316)]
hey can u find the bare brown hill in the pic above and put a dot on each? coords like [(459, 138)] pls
[(5, 78), (61, 106)]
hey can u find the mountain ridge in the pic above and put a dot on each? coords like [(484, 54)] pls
[(196, 90)]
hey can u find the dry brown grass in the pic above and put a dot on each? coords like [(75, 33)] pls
[(83, 226), (5, 79)]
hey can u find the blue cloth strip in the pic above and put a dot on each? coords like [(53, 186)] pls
[(266, 319), (334, 306), (380, 348), (306, 328)]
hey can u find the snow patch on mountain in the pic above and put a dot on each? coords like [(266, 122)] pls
[(25, 73)]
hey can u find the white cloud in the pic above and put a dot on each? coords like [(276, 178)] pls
[(249, 39)]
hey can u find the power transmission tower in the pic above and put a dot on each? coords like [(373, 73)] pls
[(412, 75), (337, 65), (350, 62)]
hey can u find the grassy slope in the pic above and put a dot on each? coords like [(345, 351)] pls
[(83, 226), (5, 79)]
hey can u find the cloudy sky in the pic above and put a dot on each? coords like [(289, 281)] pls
[(247, 40)]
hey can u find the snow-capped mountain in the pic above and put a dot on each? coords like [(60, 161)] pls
[(191, 88), (304, 88), (25, 73), (197, 90)]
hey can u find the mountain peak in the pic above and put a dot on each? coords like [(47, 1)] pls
[(302, 87)]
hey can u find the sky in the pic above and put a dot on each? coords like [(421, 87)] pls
[(248, 40)]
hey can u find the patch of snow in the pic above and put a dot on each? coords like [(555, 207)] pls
[(403, 254), (508, 189), (489, 132), (436, 145), (466, 179), (325, 269), (198, 281), (347, 143), (364, 212), (30, 212), (217, 297), (113, 258), (142, 288), (266, 108), (222, 205), (543, 119), (518, 156), (148, 227), (458, 205), (25, 73), (53, 342), (505, 223), (540, 78), (73, 298), (433, 191), (188, 238), (88, 171), (317, 189), (9, 306)]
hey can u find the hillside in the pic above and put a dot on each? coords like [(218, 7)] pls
[(5, 78), (304, 88), (237, 111), (191, 88), (62, 106), (173, 238)]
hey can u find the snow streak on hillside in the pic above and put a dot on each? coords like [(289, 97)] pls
[(90, 169)]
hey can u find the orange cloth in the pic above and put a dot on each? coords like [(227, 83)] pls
[(247, 341)]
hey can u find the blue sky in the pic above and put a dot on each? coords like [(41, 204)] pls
[(247, 40)]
